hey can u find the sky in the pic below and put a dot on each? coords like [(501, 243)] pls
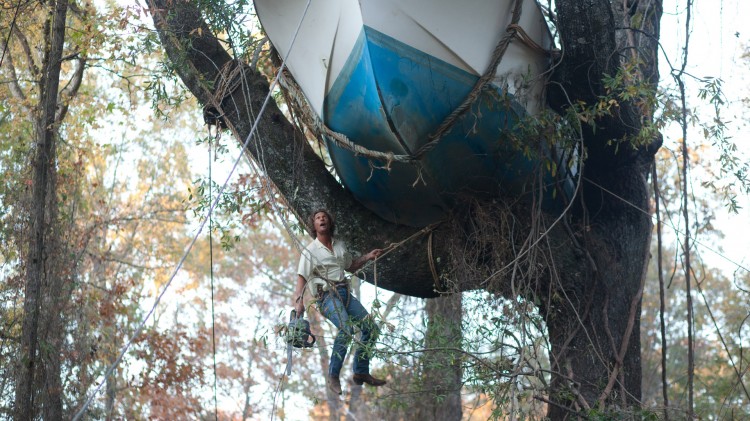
[(719, 35)]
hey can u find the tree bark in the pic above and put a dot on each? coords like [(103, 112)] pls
[(594, 321), (589, 293), (38, 383)]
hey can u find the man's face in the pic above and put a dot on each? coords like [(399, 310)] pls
[(322, 223)]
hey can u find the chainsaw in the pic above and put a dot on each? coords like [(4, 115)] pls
[(298, 335)]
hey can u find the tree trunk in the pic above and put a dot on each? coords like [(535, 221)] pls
[(442, 370), (594, 320), (38, 383), (593, 316)]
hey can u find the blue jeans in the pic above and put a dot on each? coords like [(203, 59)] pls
[(346, 312)]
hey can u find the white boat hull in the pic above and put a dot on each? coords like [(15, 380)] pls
[(387, 73)]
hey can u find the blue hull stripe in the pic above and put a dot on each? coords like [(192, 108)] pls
[(390, 97)]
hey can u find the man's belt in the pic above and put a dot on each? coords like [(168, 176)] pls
[(344, 284)]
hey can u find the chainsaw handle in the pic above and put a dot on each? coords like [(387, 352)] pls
[(294, 332)]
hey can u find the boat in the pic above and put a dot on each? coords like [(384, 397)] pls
[(387, 74)]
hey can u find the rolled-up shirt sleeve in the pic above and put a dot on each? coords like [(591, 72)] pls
[(305, 266)]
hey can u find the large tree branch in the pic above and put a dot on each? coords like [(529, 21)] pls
[(71, 89), (27, 51), (13, 85), (282, 151)]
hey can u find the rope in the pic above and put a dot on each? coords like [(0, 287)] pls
[(393, 246), (389, 248), (529, 42), (487, 77), (376, 303), (431, 260), (211, 266), (311, 120)]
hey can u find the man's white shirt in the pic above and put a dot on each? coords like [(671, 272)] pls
[(318, 264)]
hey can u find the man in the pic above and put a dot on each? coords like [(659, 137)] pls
[(321, 267)]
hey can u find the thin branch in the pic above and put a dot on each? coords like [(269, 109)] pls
[(549, 402), (115, 259), (664, 384), (686, 255), (721, 338)]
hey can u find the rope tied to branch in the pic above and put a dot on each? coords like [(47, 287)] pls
[(227, 81)]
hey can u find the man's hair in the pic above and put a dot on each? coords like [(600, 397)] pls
[(311, 222)]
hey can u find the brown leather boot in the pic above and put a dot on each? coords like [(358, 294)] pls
[(367, 378), (334, 384)]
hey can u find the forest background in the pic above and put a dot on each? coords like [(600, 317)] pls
[(136, 170)]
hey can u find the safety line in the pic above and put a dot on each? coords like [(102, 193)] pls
[(214, 203), (677, 230), (211, 266)]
